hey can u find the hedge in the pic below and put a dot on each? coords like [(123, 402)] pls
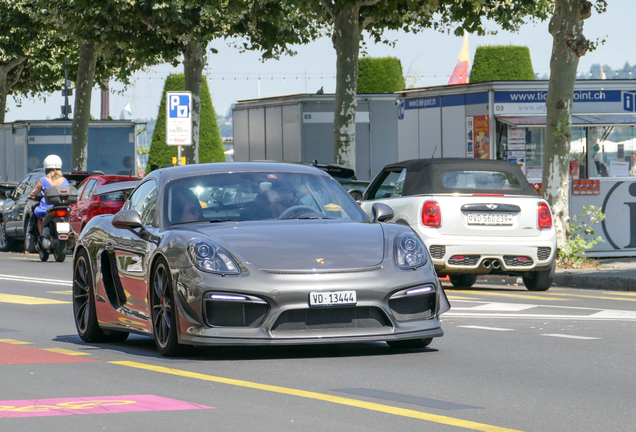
[(210, 142), (502, 63), (379, 75)]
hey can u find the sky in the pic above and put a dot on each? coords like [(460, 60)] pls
[(428, 57)]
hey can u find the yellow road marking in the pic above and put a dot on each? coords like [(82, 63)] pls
[(65, 351), (61, 292), (525, 296), (466, 424), (452, 297), (27, 300), (15, 342), (595, 297), (30, 258)]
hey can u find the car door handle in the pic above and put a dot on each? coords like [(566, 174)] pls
[(110, 246)]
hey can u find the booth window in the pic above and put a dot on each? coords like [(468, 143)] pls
[(611, 151)]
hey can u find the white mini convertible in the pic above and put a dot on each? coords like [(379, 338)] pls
[(475, 216)]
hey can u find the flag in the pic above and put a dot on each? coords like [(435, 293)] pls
[(128, 108), (462, 69)]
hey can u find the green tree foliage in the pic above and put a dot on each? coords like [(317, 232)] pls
[(502, 63), (211, 149), (380, 75)]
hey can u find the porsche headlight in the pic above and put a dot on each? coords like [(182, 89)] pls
[(211, 258), (410, 252)]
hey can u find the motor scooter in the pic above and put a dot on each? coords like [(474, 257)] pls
[(55, 225)]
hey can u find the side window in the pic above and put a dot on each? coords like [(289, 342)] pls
[(389, 185), (144, 202), (88, 189), (399, 185)]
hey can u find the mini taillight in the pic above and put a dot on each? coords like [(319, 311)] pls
[(544, 216), (60, 213), (431, 214)]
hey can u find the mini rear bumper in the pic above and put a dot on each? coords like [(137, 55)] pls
[(514, 256)]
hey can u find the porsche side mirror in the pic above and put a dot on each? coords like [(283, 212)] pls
[(356, 195), (128, 219), (381, 212)]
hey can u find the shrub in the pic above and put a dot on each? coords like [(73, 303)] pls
[(502, 63), (572, 254), (379, 75)]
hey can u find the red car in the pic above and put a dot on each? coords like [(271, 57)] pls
[(100, 194)]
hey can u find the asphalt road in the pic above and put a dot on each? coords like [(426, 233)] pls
[(511, 360)]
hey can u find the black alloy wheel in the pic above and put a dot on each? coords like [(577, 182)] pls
[(5, 243), (164, 313), (84, 305)]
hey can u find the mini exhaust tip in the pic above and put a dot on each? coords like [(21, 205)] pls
[(496, 264), (487, 263)]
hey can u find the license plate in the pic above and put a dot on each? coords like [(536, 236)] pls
[(332, 298), (489, 219), (63, 227)]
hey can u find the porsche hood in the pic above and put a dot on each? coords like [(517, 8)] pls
[(303, 245)]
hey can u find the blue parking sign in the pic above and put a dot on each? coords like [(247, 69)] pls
[(179, 106)]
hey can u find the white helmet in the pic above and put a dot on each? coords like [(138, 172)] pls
[(52, 162)]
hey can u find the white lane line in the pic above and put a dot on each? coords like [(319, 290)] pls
[(570, 336), (618, 314), (486, 328), (450, 314), (505, 307), (36, 280)]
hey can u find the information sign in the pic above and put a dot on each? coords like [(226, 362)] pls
[(178, 118)]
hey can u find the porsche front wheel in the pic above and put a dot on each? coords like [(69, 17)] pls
[(164, 311)]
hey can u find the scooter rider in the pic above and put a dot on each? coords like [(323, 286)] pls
[(53, 177)]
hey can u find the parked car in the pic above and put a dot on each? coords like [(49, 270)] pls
[(475, 216), (5, 190), (100, 194), (279, 254), (17, 210)]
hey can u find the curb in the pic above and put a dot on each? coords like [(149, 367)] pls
[(609, 283)]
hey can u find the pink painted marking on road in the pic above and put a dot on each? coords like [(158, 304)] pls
[(92, 405)]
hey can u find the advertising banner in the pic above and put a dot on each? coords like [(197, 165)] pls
[(481, 133)]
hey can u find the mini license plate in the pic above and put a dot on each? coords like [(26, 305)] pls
[(63, 227), (332, 298), (489, 219)]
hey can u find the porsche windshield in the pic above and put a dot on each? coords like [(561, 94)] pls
[(258, 196)]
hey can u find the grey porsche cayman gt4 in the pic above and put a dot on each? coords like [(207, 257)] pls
[(252, 254)]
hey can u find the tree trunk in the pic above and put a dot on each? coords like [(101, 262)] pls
[(82, 115), (193, 64), (9, 76), (569, 44), (346, 41)]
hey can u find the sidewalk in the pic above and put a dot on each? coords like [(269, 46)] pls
[(615, 274)]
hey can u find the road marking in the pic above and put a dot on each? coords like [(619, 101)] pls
[(323, 397), (15, 342), (525, 296), (452, 297), (92, 405), (30, 258), (618, 314), (486, 328), (69, 292), (505, 307), (36, 280), (27, 300), (66, 351), (17, 354), (569, 336), (450, 314), (596, 297), (404, 398)]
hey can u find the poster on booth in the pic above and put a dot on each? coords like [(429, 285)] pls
[(518, 157), (516, 138), (470, 138), (481, 134)]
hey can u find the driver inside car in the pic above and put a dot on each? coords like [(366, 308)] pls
[(273, 200)]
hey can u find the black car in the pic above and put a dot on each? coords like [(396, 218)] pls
[(16, 211), (4, 188)]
